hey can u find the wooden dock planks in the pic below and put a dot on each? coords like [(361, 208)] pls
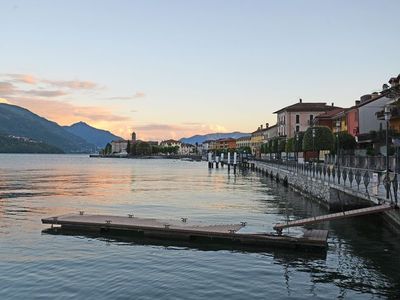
[(186, 230), (335, 216)]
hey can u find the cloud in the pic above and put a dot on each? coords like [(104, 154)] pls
[(158, 131), (44, 93), (137, 95), (6, 88), (9, 89), (23, 78), (33, 80), (3, 100), (73, 84)]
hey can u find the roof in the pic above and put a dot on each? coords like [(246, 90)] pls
[(226, 140), (264, 129), (383, 94), (307, 106), (244, 138), (170, 142), (330, 113)]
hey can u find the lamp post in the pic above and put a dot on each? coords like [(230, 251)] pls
[(387, 118), (338, 148), (297, 150), (313, 139)]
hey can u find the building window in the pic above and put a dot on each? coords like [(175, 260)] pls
[(311, 119), (297, 128), (297, 119)]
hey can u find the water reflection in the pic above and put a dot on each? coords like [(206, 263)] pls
[(362, 260)]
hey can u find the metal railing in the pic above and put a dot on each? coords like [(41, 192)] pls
[(370, 182)]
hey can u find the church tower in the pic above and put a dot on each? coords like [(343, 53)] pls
[(133, 137)]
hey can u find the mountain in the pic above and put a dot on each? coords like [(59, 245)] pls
[(20, 122), (212, 136), (92, 135), (11, 144)]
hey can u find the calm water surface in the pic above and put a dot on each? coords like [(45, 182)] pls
[(362, 262)]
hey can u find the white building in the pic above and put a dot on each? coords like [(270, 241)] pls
[(186, 149), (119, 147)]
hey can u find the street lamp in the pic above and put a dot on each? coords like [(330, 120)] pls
[(313, 139), (387, 118), (297, 149), (338, 147)]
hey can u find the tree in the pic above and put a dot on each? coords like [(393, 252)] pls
[(143, 148), (281, 145), (289, 145), (346, 141), (128, 147), (322, 140), (298, 142), (107, 149)]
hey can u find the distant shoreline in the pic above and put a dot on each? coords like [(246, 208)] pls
[(193, 157)]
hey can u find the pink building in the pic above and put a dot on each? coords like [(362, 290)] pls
[(299, 116)]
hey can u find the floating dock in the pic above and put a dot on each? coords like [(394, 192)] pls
[(185, 230)]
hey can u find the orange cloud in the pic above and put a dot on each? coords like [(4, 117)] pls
[(65, 113), (23, 78), (155, 131)]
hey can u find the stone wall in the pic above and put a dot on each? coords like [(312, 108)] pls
[(332, 196)]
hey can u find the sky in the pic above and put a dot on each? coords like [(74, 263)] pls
[(169, 69)]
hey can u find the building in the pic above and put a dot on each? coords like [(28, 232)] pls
[(270, 132), (244, 141), (368, 108), (329, 118), (261, 136), (119, 147), (225, 144), (186, 149), (299, 116), (170, 143)]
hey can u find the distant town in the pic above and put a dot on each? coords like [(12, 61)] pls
[(303, 131)]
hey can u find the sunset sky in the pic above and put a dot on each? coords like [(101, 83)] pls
[(169, 69)]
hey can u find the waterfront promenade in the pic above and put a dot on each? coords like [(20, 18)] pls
[(338, 189)]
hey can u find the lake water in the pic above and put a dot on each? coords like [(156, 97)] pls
[(362, 261)]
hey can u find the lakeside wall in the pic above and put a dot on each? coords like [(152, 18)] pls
[(333, 196)]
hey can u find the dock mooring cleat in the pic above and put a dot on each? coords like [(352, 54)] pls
[(243, 223), (130, 216), (184, 220)]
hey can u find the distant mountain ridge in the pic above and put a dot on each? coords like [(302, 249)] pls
[(212, 136), (20, 122), (92, 135)]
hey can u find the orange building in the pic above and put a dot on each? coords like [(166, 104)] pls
[(228, 143)]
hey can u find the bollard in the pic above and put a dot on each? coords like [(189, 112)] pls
[(210, 164)]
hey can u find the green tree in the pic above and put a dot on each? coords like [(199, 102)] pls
[(289, 145), (298, 142), (107, 149), (143, 148), (323, 139), (128, 147), (346, 141), (281, 145)]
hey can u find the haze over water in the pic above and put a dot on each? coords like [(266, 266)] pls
[(362, 260)]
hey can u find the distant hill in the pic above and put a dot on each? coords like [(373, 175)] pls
[(212, 136), (20, 122), (10, 144), (92, 135)]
